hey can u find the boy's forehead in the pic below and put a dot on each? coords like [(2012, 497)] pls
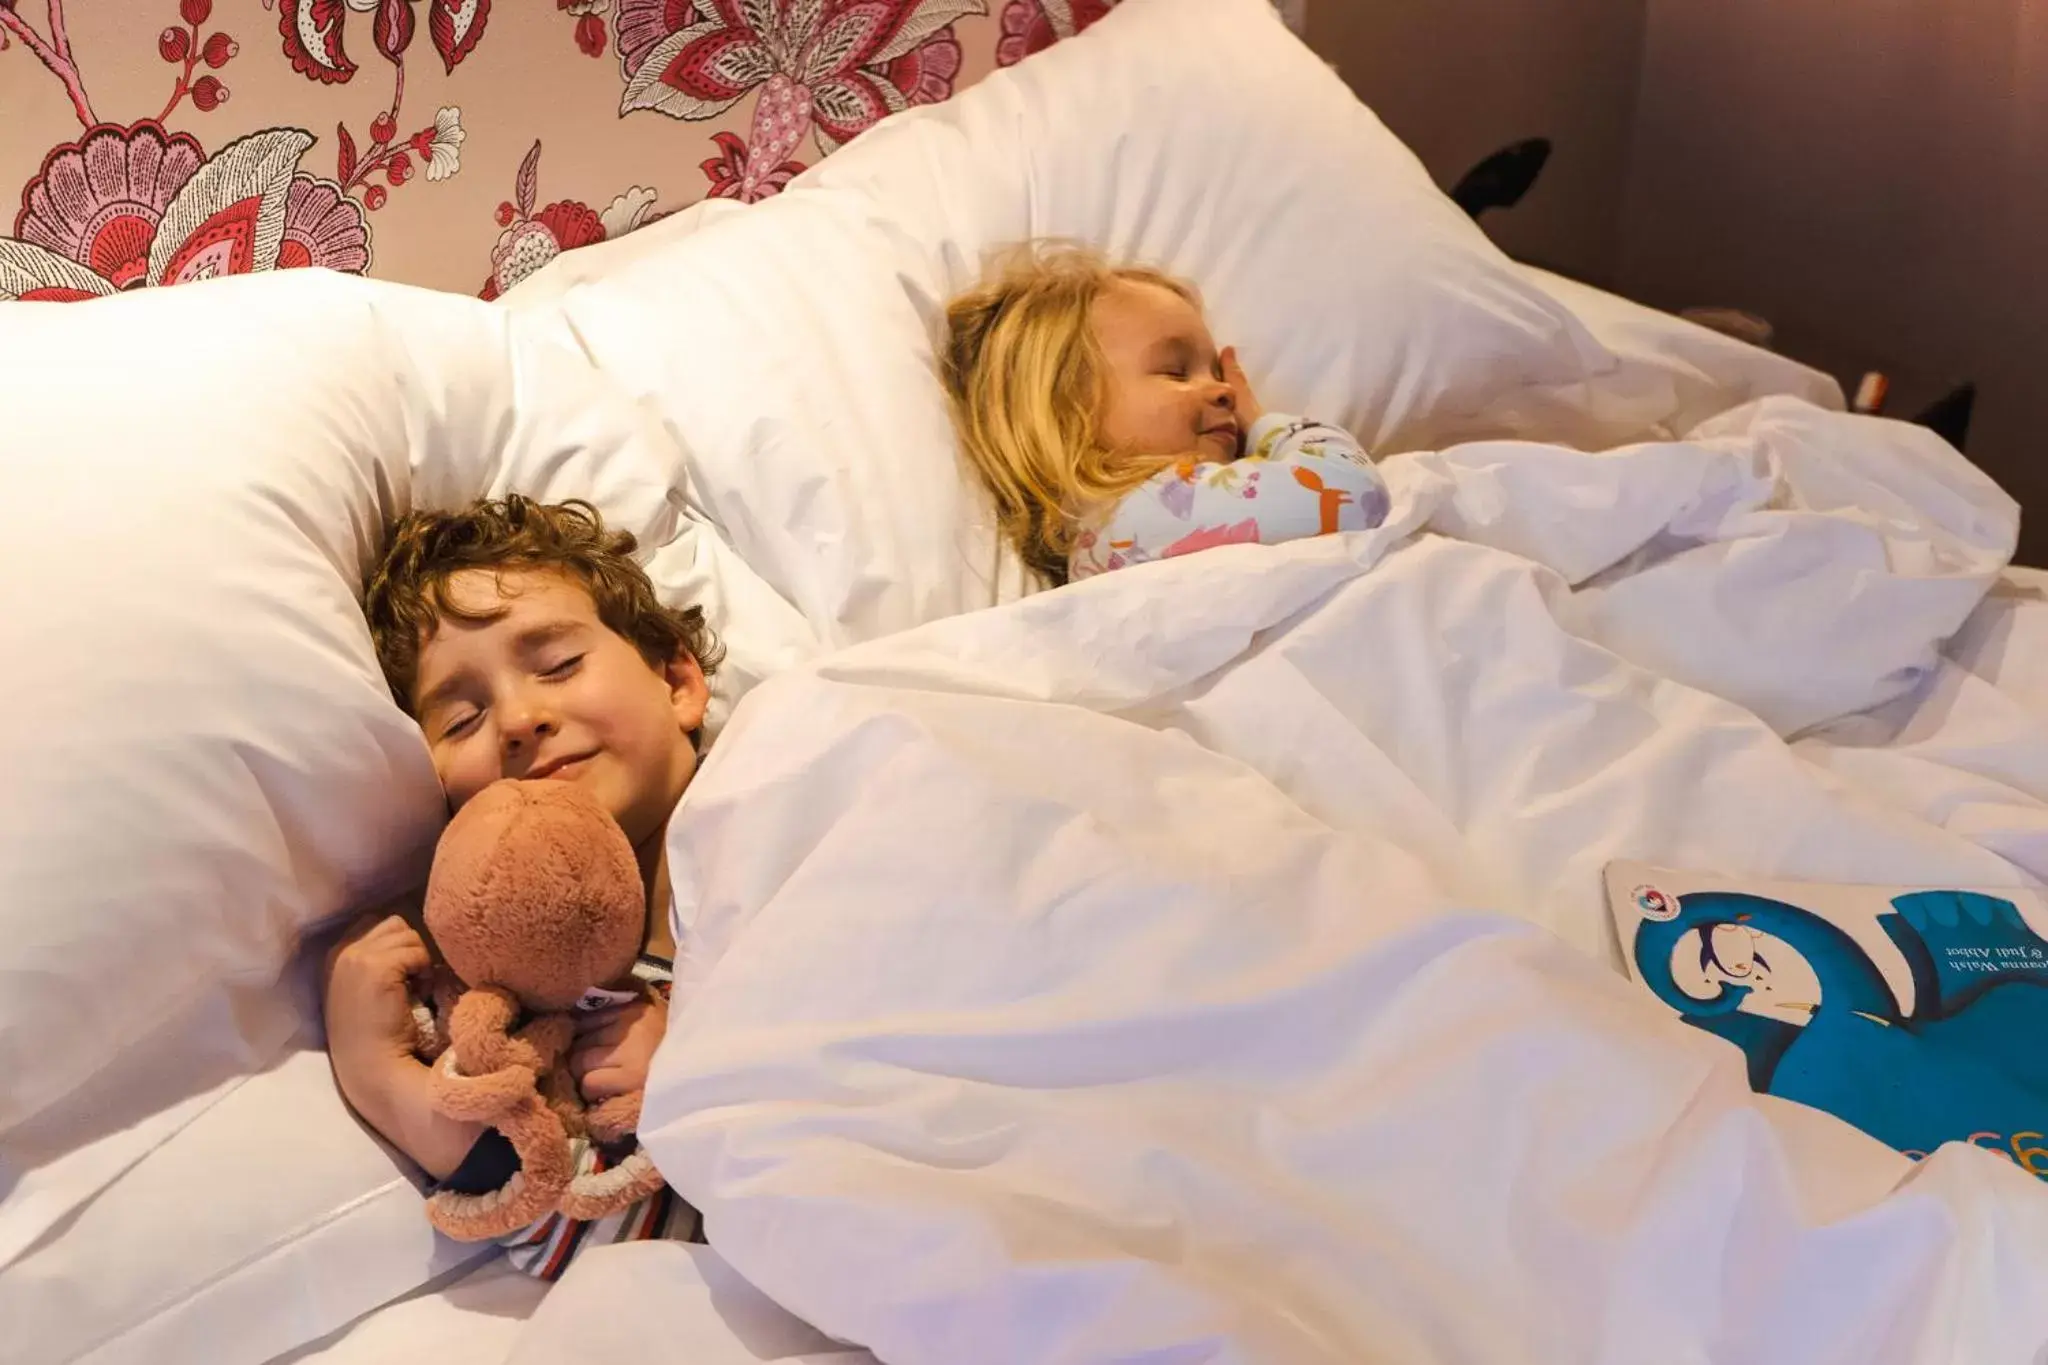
[(486, 606), (492, 610), (491, 595)]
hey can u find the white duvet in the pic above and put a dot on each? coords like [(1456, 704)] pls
[(1207, 962)]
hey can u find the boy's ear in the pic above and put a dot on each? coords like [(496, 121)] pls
[(689, 693)]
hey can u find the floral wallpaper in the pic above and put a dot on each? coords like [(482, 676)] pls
[(459, 144)]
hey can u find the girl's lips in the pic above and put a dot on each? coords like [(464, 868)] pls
[(1225, 437)]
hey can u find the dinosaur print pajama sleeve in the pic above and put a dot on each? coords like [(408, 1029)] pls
[(1298, 478)]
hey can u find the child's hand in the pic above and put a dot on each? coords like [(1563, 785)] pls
[(615, 1047), (369, 996), (371, 1034), (1247, 402)]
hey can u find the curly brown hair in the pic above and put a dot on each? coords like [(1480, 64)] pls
[(408, 595)]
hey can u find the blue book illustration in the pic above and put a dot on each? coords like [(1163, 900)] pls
[(1915, 1014)]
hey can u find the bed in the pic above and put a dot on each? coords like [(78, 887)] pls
[(482, 1317), (1201, 962)]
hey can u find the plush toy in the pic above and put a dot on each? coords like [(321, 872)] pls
[(535, 902)]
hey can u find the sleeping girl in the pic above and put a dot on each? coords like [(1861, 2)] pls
[(1112, 431)]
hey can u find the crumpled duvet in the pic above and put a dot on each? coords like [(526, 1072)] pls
[(1207, 962)]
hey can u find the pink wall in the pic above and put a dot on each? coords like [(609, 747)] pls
[(1873, 177), (457, 145), (1458, 79)]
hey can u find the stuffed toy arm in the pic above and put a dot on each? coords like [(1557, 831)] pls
[(490, 1076)]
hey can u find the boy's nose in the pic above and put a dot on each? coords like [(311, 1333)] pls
[(527, 726)]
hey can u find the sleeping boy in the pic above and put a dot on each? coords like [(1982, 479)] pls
[(527, 643)]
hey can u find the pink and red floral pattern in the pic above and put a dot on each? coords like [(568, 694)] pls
[(589, 16), (1033, 25), (531, 239), (731, 176), (827, 68), (98, 201), (137, 193), (314, 32), (126, 207), (323, 227), (181, 45)]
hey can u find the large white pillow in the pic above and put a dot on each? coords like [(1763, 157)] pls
[(202, 759), (795, 370), (1203, 136), (791, 346)]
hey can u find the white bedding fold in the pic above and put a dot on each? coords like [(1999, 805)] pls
[(1101, 977)]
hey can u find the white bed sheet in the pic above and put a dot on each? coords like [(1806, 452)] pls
[(634, 1301), (475, 1319), (272, 1218)]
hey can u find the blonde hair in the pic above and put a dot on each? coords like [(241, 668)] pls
[(1027, 382)]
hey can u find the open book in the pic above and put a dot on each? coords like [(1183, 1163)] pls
[(1919, 1015)]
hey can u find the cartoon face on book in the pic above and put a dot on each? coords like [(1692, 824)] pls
[(1905, 1011), (1781, 983)]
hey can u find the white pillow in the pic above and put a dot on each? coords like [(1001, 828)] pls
[(795, 371), (791, 346), (1203, 136), (1674, 373), (567, 269), (762, 633), (202, 757)]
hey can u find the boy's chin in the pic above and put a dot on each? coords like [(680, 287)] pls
[(593, 779)]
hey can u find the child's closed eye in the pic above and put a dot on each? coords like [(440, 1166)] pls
[(461, 725), (564, 668)]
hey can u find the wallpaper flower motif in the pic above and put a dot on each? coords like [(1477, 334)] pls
[(1033, 25), (532, 239), (127, 207), (313, 33), (195, 141), (827, 68)]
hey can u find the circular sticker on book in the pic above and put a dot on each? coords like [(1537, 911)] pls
[(1654, 904)]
